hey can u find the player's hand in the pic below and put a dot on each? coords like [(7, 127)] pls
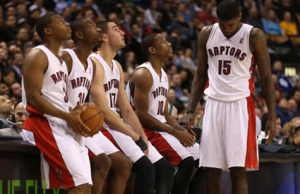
[(270, 130), (185, 138), (74, 121), (190, 119)]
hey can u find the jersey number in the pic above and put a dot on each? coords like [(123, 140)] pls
[(160, 110), (112, 97), (224, 67), (81, 99)]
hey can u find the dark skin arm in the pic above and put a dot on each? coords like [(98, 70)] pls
[(68, 60), (201, 76), (258, 45), (36, 63), (142, 83)]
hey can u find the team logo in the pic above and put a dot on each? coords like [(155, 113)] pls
[(241, 40)]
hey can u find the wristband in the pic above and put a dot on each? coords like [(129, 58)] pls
[(271, 119), (190, 111), (140, 142)]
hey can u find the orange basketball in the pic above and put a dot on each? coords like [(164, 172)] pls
[(92, 117)]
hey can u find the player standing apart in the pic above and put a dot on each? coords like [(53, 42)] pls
[(224, 60)]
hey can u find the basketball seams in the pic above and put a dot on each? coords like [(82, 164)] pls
[(99, 121)]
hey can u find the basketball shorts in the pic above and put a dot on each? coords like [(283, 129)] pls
[(229, 136), (64, 159), (170, 147), (126, 144), (99, 144)]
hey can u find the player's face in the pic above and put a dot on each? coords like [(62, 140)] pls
[(163, 47), (115, 35), (60, 28), (92, 33), (230, 27)]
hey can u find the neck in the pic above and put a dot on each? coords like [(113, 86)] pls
[(107, 53), (5, 115), (53, 46), (82, 51), (157, 64)]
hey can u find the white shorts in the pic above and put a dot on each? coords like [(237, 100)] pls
[(99, 144), (64, 159), (170, 147), (129, 147), (229, 136)]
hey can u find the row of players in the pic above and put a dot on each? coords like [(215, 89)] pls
[(55, 86)]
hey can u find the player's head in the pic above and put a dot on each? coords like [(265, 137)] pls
[(112, 36), (229, 16), (52, 26), (157, 45), (85, 30)]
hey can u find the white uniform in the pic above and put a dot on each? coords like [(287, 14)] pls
[(64, 157), (79, 83), (228, 136), (168, 145), (123, 142)]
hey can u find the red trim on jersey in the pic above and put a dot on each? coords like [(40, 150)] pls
[(163, 147), (91, 154), (207, 84), (31, 110), (252, 72), (251, 154), (111, 138), (58, 172)]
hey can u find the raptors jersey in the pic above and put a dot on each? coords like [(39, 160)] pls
[(110, 82), (79, 81), (54, 83), (229, 65), (157, 95)]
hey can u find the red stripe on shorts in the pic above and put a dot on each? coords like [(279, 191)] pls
[(59, 174), (163, 147), (251, 154)]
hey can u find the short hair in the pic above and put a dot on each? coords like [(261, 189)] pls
[(43, 22), (228, 10), (77, 25), (148, 41), (103, 25)]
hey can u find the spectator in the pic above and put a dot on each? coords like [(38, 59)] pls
[(206, 16), (254, 19), (283, 112), (152, 16), (283, 81), (38, 5), (16, 91), (292, 106), (18, 118), (271, 24), (4, 89), (5, 111), (288, 26), (9, 76)]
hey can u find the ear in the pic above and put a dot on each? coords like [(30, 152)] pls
[(240, 16), (47, 31), (151, 50), (104, 37), (79, 34)]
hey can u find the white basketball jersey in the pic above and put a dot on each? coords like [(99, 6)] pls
[(54, 83), (157, 95), (79, 81), (229, 65), (111, 81)]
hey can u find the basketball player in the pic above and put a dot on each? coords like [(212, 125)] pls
[(224, 60), (57, 132), (86, 36), (147, 90), (108, 84)]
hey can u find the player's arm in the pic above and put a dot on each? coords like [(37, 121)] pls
[(68, 60), (201, 76), (142, 81), (258, 45), (99, 97), (127, 112), (34, 67)]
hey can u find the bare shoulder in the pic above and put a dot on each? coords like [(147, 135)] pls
[(67, 58), (35, 59), (257, 40), (143, 77), (204, 33), (36, 55)]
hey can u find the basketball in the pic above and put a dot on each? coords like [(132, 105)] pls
[(92, 117)]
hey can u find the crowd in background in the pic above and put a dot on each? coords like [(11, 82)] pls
[(179, 21)]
